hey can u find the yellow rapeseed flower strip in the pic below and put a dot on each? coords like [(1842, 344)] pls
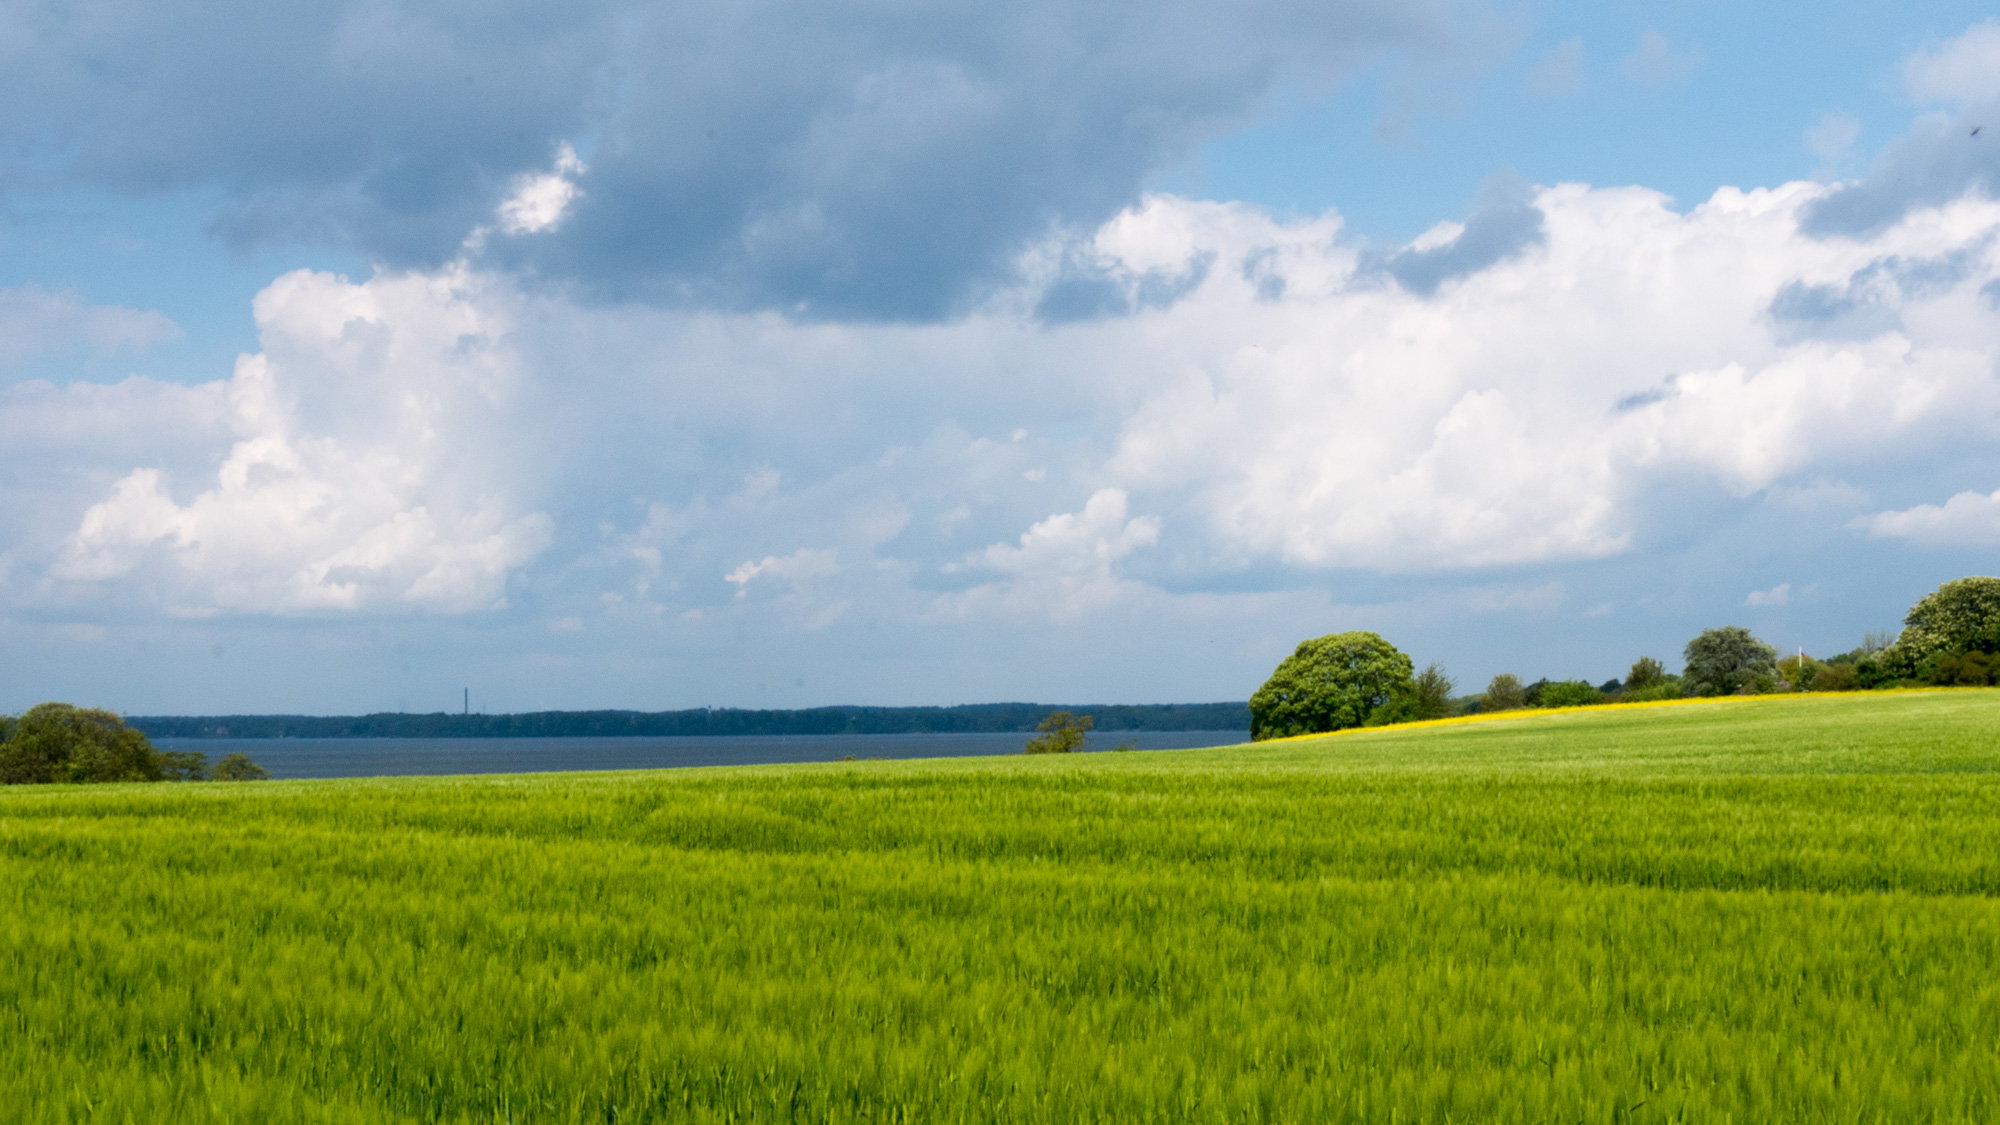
[(1532, 712)]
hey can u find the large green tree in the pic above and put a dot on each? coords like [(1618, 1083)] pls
[(60, 742), (1330, 683), (1721, 661), (1957, 617)]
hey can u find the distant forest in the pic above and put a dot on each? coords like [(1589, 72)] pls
[(969, 718)]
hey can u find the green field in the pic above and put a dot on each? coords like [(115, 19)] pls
[(1761, 910)]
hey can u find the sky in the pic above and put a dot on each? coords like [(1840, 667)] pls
[(781, 354)]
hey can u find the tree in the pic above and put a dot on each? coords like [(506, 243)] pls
[(185, 765), (1426, 697), (239, 767), (1329, 683), (1431, 693), (1060, 733), (1957, 617), (1798, 670), (57, 742), (1645, 672), (1726, 660), (1504, 693)]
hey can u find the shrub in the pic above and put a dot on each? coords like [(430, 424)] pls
[(239, 767), (1569, 693), (1666, 688), (1727, 660), (1504, 693), (1330, 683), (1532, 694), (1884, 668), (1966, 669), (1834, 677), (1060, 733)]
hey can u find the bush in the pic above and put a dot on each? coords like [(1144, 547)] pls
[(1885, 668), (239, 767), (1966, 669), (1504, 693), (1666, 688), (1727, 660), (1060, 733), (1834, 677), (1569, 693), (1330, 683)]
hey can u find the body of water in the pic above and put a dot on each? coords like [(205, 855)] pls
[(399, 757)]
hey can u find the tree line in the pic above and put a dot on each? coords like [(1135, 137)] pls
[(976, 718), (54, 743), (1949, 638)]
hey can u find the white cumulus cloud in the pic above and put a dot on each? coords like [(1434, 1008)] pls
[(1963, 70), (356, 477), (1781, 594), (1064, 566), (1967, 519), (1516, 415)]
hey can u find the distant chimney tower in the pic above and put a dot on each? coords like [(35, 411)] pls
[(468, 703)]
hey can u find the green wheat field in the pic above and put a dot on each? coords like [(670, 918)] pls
[(1759, 910)]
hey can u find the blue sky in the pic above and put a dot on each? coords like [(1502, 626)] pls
[(782, 354)]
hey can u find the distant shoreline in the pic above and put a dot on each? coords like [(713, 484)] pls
[(972, 718)]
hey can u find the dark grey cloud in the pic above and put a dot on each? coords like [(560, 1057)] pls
[(388, 128), (1941, 160), (864, 159), (1503, 223)]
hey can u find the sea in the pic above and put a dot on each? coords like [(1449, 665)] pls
[(405, 757)]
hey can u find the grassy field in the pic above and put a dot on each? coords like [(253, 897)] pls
[(1761, 910)]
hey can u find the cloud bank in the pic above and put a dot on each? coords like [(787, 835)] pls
[(865, 411), (354, 478), (843, 160), (419, 441)]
